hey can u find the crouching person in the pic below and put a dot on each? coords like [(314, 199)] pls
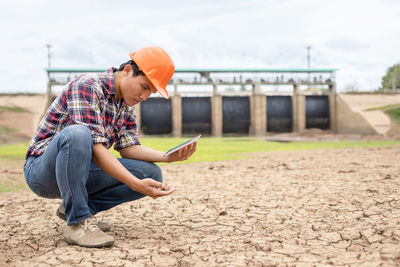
[(68, 157)]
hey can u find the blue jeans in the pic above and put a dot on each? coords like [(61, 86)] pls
[(65, 170)]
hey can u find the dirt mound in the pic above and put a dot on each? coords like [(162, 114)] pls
[(15, 127), (337, 207), (19, 117)]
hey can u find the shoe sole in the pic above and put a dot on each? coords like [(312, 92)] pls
[(71, 242)]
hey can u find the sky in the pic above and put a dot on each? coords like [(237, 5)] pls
[(360, 38)]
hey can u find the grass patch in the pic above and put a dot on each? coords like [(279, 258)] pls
[(15, 151), (214, 149), (394, 113), (13, 109), (393, 106), (6, 130), (12, 188)]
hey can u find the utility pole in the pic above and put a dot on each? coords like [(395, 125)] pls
[(277, 67), (308, 64), (48, 55), (49, 93)]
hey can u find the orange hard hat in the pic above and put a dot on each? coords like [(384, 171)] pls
[(157, 65)]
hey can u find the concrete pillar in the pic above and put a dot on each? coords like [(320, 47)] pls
[(176, 113), (298, 109), (332, 107), (138, 118), (49, 93), (258, 105), (216, 112)]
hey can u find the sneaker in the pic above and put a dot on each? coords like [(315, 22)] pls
[(87, 234), (103, 225)]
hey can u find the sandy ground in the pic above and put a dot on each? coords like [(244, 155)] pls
[(299, 208)]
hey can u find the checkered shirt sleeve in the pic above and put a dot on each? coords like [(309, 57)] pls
[(128, 134), (83, 108)]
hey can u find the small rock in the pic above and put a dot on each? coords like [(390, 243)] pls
[(374, 238), (367, 233)]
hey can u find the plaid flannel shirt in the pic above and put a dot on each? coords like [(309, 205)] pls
[(89, 100)]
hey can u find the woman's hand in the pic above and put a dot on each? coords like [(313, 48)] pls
[(183, 153)]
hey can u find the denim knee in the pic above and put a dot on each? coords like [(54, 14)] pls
[(155, 173), (142, 169), (78, 135)]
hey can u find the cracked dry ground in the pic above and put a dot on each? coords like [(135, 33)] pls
[(321, 207)]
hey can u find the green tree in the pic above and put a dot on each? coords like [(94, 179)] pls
[(392, 73)]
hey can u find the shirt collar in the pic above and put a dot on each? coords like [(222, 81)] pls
[(107, 79)]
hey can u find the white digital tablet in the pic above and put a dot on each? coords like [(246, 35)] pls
[(172, 150)]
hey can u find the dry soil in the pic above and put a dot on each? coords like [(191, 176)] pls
[(300, 208)]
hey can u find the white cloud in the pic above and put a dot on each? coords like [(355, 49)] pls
[(361, 38)]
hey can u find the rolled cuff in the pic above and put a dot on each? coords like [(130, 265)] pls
[(99, 139), (125, 142)]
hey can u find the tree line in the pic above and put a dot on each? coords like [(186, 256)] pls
[(391, 80)]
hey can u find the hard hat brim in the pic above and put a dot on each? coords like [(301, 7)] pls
[(162, 91)]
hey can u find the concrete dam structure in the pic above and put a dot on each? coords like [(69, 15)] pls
[(246, 114), (204, 101)]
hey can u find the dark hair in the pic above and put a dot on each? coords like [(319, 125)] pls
[(135, 68)]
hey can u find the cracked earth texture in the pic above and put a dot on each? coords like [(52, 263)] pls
[(294, 208)]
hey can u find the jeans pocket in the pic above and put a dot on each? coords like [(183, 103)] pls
[(42, 191)]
